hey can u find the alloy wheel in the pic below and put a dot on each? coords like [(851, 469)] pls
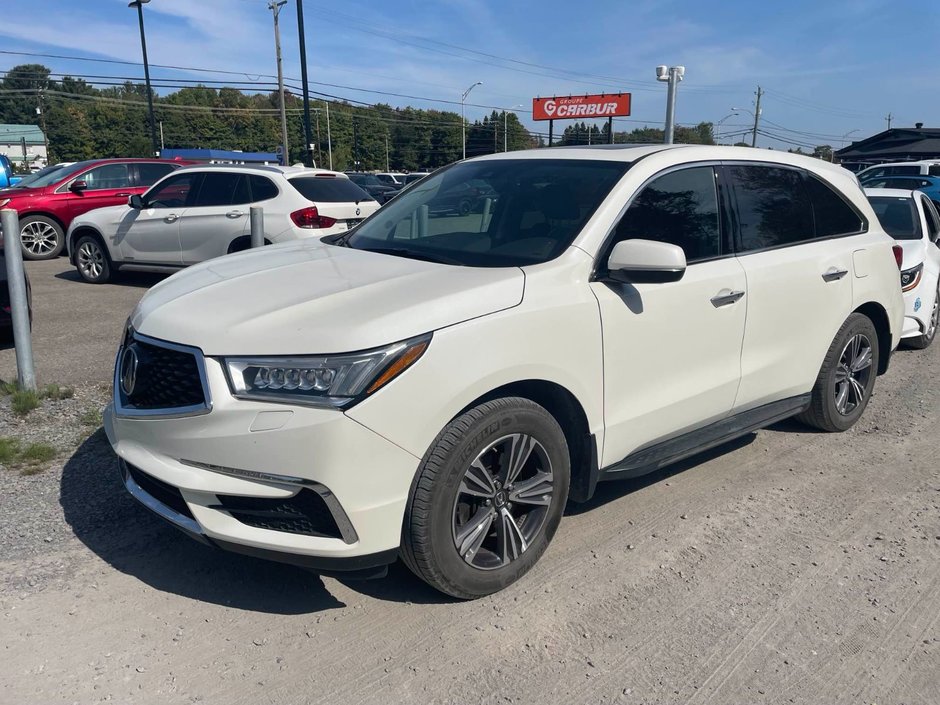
[(90, 260), (39, 238), (503, 501), (934, 318), (853, 374)]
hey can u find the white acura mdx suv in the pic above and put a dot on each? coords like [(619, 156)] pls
[(436, 387), (201, 212)]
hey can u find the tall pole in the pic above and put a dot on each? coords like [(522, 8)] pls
[(463, 120), (386, 152), (672, 75), (329, 139), (42, 122), (505, 130), (308, 152), (889, 117), (275, 7), (756, 117), (139, 4), (319, 151)]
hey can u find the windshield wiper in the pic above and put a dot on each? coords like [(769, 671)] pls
[(416, 254)]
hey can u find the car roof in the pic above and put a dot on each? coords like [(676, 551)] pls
[(286, 171)]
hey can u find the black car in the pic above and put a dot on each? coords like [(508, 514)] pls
[(372, 185)]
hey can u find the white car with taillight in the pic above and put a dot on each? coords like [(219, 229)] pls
[(911, 218), (201, 212), (436, 386)]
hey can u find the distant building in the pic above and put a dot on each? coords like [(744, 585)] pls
[(899, 144), (23, 143), (220, 156)]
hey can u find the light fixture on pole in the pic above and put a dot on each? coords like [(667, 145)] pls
[(672, 75), (506, 126), (832, 152), (463, 120), (139, 4), (718, 125)]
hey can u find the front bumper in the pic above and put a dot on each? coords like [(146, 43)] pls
[(244, 452), (918, 303)]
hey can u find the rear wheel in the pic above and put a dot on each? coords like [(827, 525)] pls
[(91, 260), (924, 341), (847, 377), (488, 498), (41, 237)]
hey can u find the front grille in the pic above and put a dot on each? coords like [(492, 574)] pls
[(305, 513), (160, 491), (166, 378)]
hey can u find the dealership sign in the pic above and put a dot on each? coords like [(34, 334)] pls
[(605, 105)]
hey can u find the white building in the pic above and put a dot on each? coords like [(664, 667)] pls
[(23, 143)]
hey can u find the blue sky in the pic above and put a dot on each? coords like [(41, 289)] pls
[(829, 67)]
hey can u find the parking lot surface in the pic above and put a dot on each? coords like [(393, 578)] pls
[(787, 567)]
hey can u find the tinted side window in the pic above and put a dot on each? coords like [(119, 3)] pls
[(221, 189), (773, 206), (172, 193), (107, 176), (262, 188), (149, 174), (680, 208), (833, 215), (933, 222), (901, 170), (329, 190), (934, 170)]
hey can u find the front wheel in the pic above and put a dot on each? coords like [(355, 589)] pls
[(92, 261), (487, 499), (847, 377), (41, 237)]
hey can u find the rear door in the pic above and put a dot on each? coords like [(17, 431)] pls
[(336, 197), (105, 185), (216, 217), (151, 235), (794, 242)]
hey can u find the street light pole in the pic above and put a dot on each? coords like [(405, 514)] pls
[(275, 7), (718, 125), (463, 120), (506, 126), (672, 75), (139, 4), (841, 144), (308, 152)]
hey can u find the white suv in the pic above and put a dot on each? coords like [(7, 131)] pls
[(436, 387), (202, 212)]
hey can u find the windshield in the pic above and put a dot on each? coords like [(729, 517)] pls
[(51, 175), (898, 216), (495, 213), (366, 179)]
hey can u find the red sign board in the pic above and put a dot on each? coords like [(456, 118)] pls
[(580, 107)]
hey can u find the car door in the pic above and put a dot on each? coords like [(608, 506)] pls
[(800, 268), (217, 217), (105, 185), (672, 351), (151, 235)]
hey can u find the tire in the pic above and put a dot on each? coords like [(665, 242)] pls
[(923, 341), (454, 491), (41, 237), (92, 261), (847, 377), (464, 207)]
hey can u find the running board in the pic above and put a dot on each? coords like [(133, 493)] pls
[(653, 457)]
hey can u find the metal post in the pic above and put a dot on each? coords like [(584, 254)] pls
[(19, 302), (275, 7), (551, 127), (329, 139), (256, 218), (139, 4), (505, 128), (610, 130), (308, 161), (161, 136), (671, 107), (756, 117), (386, 152)]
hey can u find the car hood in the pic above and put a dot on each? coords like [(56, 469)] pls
[(914, 252), (109, 215), (306, 297), (25, 192)]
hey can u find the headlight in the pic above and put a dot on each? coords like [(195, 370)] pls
[(325, 380), (910, 278)]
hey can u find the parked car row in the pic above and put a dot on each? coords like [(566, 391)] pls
[(436, 385)]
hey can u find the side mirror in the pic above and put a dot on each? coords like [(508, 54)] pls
[(78, 185), (136, 202), (645, 262)]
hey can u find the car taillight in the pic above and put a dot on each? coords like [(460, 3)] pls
[(898, 255), (310, 218)]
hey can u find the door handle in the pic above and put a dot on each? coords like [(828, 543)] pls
[(234, 214), (170, 218), (726, 297), (833, 274), (123, 195)]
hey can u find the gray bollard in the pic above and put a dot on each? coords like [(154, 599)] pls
[(256, 217), (19, 303)]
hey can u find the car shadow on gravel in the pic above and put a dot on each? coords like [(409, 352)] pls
[(128, 537), (615, 489)]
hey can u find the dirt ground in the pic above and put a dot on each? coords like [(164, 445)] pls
[(786, 567)]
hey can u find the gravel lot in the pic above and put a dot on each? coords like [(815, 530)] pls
[(786, 567)]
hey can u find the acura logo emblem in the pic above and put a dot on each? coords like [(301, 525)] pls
[(129, 363)]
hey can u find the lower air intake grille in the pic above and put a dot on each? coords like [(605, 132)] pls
[(305, 513), (160, 491)]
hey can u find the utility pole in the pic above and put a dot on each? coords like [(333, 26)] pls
[(672, 75), (42, 122), (386, 152), (329, 139), (308, 152), (756, 117), (139, 4), (275, 7), (319, 151), (355, 144), (889, 117)]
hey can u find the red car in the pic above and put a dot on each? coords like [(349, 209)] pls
[(47, 203)]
